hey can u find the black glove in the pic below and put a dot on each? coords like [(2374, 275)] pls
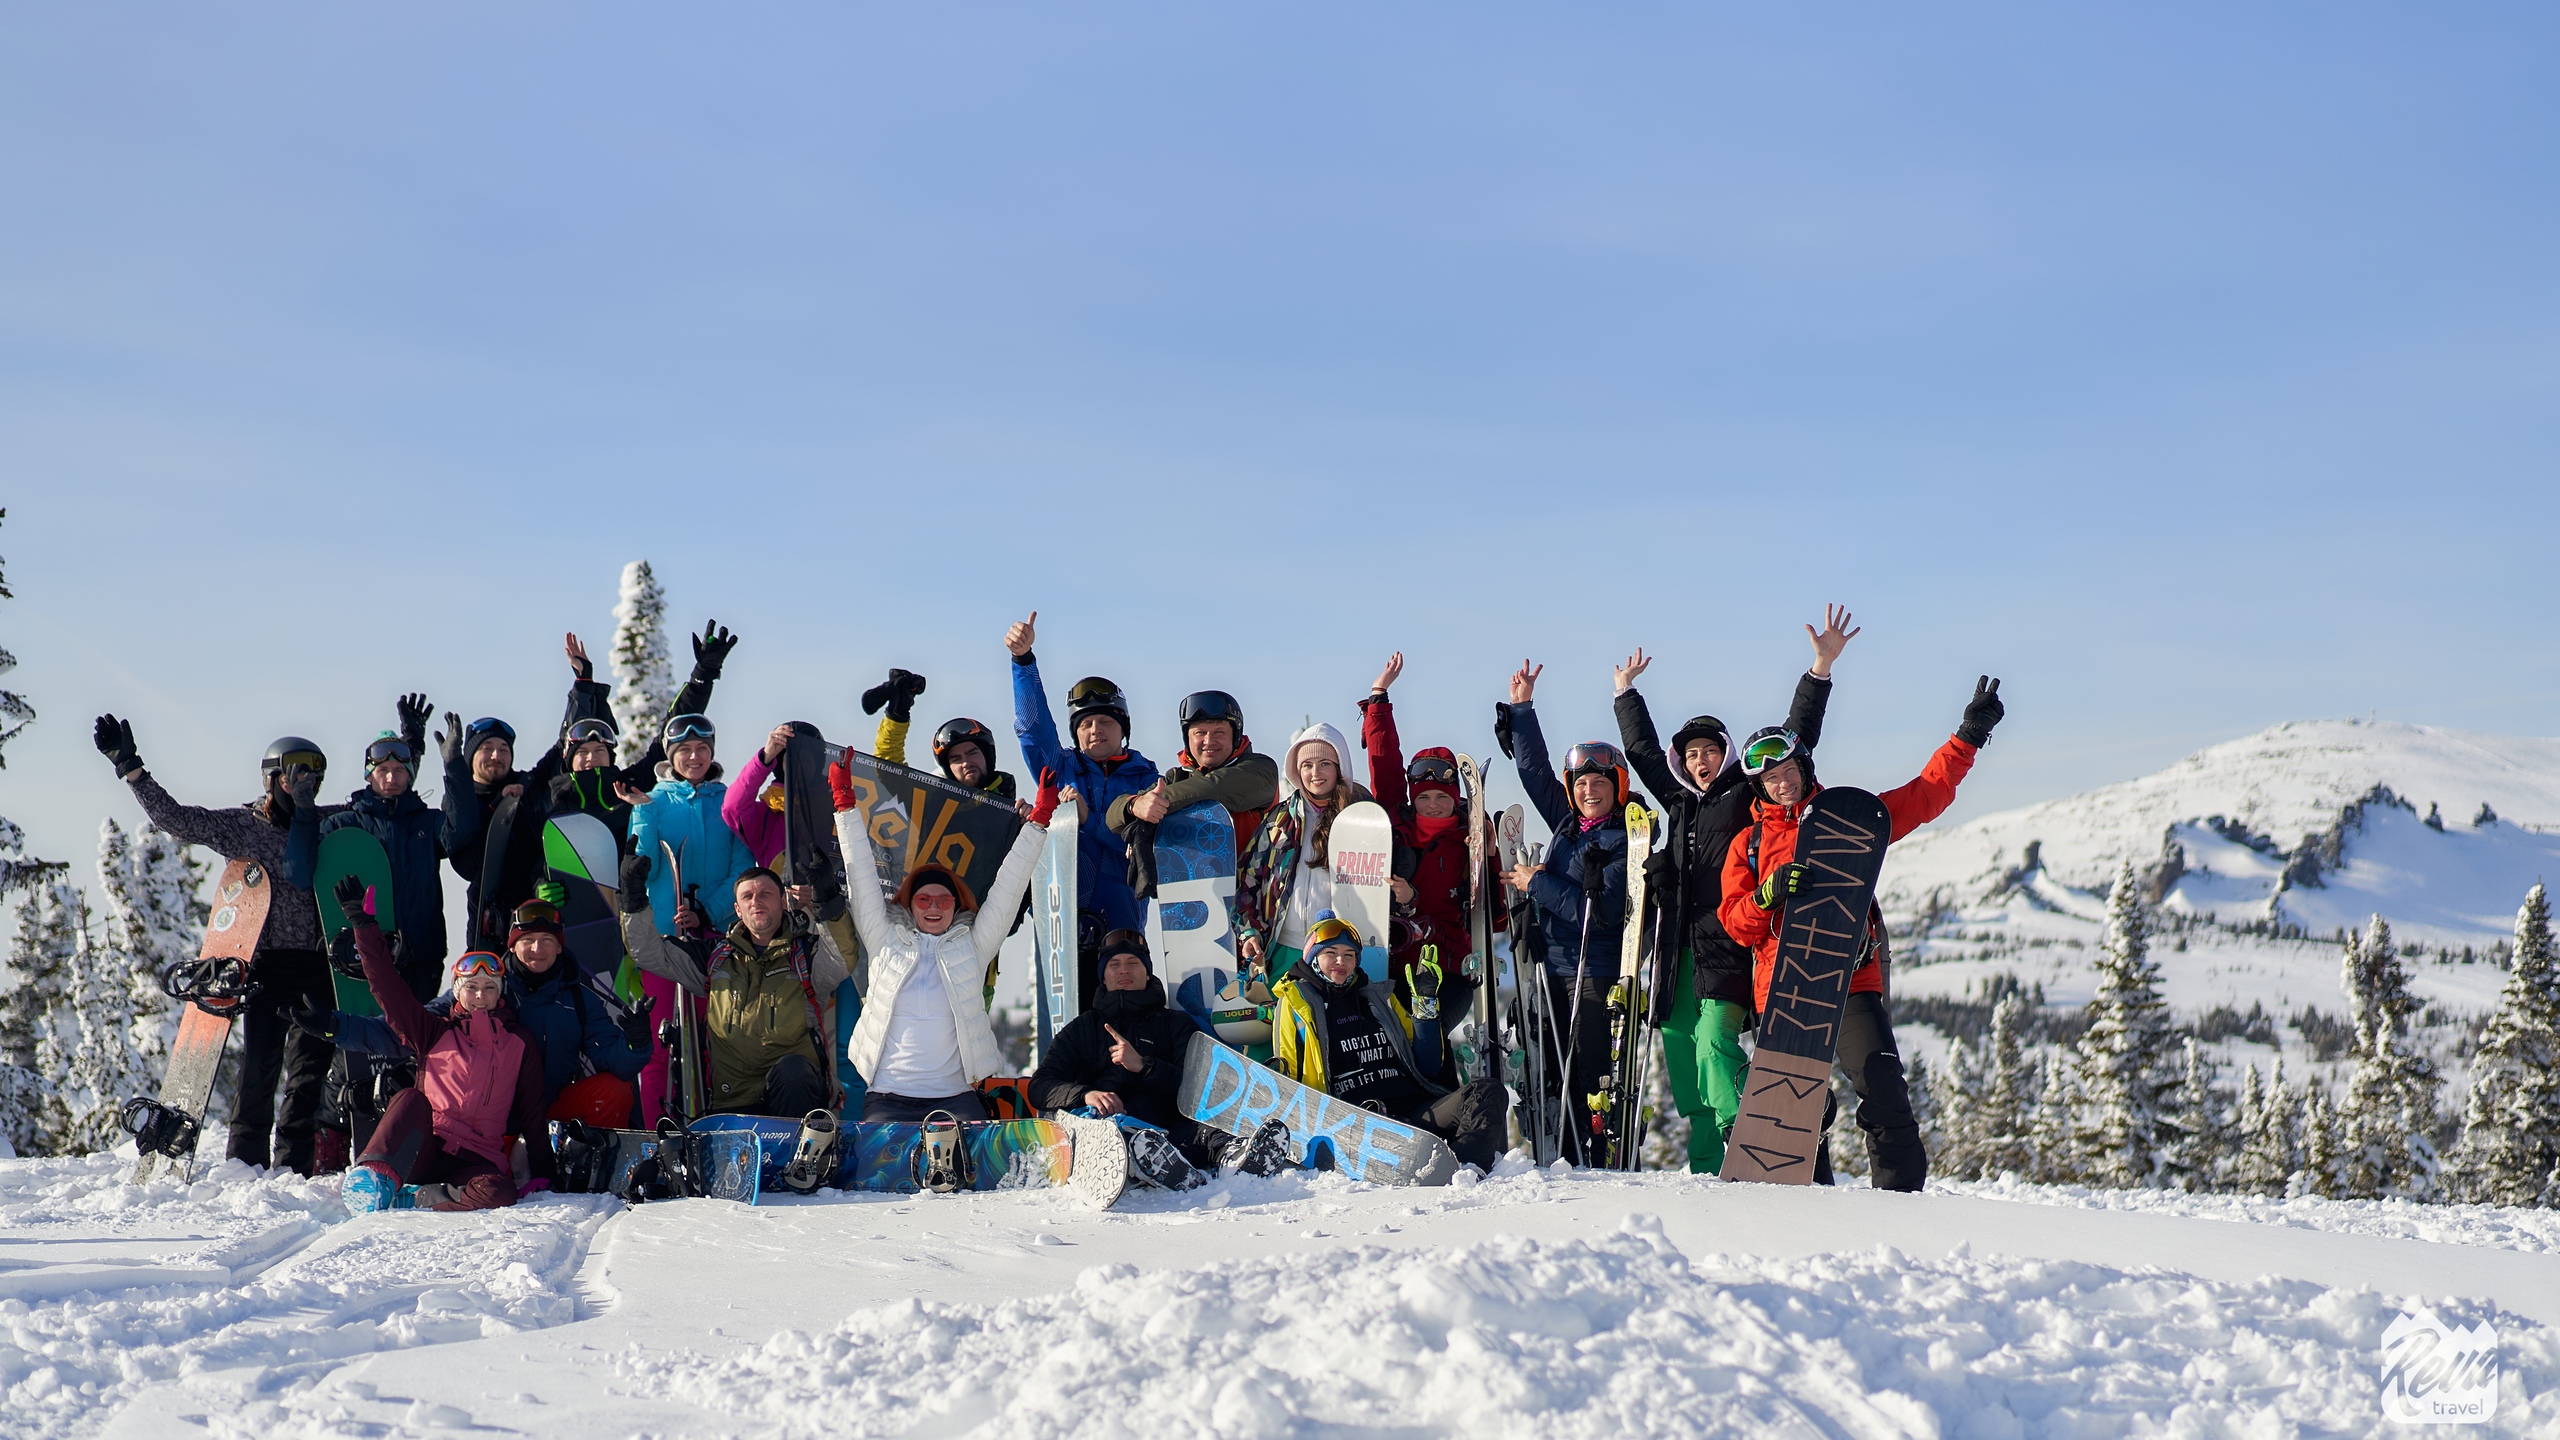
[(415, 712), (1782, 885), (114, 739), (303, 784), (1981, 713), (449, 740), (314, 1019), (635, 884), (898, 692), (350, 893), (1595, 871), (710, 648), (1502, 728), (636, 1030)]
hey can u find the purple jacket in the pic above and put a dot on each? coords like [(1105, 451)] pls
[(744, 810)]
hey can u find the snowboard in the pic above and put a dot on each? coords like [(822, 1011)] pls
[(1089, 1157), (489, 926), (1225, 1091), (1821, 933), (1361, 849), (809, 820), (732, 1161), (1614, 1118), (352, 850), (1479, 964), (582, 856), (204, 1026), (1191, 927), (1056, 995)]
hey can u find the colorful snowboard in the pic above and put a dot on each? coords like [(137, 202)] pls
[(579, 851), (1056, 991), (204, 1027), (1362, 851), (1070, 1153), (349, 850), (1225, 1091), (1821, 934), (1191, 927)]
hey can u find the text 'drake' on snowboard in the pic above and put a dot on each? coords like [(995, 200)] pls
[(1225, 1091), (1821, 933), (204, 1026)]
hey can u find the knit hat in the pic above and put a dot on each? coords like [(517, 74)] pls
[(1418, 782), (1124, 942)]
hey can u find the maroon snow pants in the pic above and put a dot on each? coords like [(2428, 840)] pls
[(406, 1142)]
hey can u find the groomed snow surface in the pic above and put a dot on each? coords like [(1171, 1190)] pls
[(1532, 1303)]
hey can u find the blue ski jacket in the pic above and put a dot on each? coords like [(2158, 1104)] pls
[(685, 817), (1557, 887), (561, 1010), (1102, 858)]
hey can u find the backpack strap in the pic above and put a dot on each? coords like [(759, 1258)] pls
[(1751, 849)]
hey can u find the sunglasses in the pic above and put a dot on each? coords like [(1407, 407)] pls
[(479, 962), (1766, 751), (388, 750), (690, 727), (1434, 769)]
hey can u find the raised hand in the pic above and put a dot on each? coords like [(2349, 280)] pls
[(449, 739), (1018, 635), (776, 742), (1150, 805), (1387, 676), (711, 650), (1982, 712), (351, 892), (1831, 639), (1633, 666), (303, 784), (630, 794), (579, 664), (415, 711), (114, 739), (1524, 682)]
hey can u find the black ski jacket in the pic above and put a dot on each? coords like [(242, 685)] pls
[(1079, 1058), (1684, 882)]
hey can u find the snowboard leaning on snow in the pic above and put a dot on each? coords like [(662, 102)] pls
[(731, 1161), (1191, 928), (1361, 849), (1088, 1157), (1821, 934), (1225, 1091), (204, 1026)]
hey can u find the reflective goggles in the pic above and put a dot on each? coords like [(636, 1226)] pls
[(1767, 749), (1432, 768), (589, 732), (390, 748), (1331, 929), (1095, 693), (1593, 757), (488, 725), (690, 727), (1203, 706), (293, 760), (479, 962)]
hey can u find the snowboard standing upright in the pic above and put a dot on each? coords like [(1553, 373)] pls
[(1056, 989), (1616, 1114), (809, 820), (221, 981), (343, 852), (1191, 928), (1821, 934), (583, 858), (1361, 849), (1225, 1091)]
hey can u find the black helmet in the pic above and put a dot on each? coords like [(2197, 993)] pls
[(1206, 705), (1701, 727), (289, 753), (1094, 695), (963, 731)]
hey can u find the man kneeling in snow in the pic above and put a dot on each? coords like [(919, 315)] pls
[(772, 988)]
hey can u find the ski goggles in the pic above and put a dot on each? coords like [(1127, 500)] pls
[(681, 728), (1432, 769), (390, 749), (590, 732), (479, 962), (1095, 693), (1331, 929), (488, 725), (293, 760), (1594, 757), (1767, 748), (1208, 706)]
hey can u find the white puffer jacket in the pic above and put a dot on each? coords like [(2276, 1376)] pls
[(896, 947)]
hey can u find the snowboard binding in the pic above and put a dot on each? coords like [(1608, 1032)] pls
[(814, 1154), (218, 986), (1265, 1152), (1155, 1159), (159, 1129), (673, 1172), (942, 1156), (584, 1156)]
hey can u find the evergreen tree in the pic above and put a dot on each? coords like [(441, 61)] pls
[(2122, 1057), (2267, 1156), (1666, 1136), (37, 1034), (1955, 1091), (2005, 1127), (2511, 1119), (2386, 1123), (2057, 1150), (154, 916), (2320, 1170), (644, 682), (2197, 1143), (90, 1051), (15, 712)]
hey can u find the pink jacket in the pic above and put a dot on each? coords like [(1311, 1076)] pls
[(482, 1074), (744, 811)]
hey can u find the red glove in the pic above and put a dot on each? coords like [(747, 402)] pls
[(1045, 804), (840, 781)]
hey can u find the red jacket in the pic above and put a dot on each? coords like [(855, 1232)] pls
[(1440, 863), (1911, 806)]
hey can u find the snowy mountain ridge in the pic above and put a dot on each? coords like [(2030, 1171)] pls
[(2316, 824)]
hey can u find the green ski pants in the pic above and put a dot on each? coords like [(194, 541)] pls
[(1702, 1047)]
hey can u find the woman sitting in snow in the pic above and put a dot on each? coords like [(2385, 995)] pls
[(480, 1081)]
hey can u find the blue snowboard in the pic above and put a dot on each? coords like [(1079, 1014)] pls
[(1192, 927)]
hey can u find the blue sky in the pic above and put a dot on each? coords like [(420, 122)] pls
[(2192, 367)]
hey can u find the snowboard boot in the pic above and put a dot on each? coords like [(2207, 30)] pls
[(1264, 1152), (1154, 1158), (370, 1187), (680, 1162), (584, 1157), (942, 1156), (814, 1155)]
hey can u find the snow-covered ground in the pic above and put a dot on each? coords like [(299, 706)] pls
[(1530, 1303)]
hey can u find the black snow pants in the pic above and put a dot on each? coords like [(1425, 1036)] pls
[(1895, 1157), (271, 1049)]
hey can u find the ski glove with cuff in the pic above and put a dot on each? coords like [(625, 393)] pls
[(1595, 871), (634, 894), (114, 739), (449, 740), (315, 1020), (710, 649), (1981, 713), (415, 712), (1783, 884), (304, 786), (635, 1028), (840, 785), (1044, 806), (898, 692), (352, 902)]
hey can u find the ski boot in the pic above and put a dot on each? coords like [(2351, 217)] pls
[(814, 1155), (942, 1156), (1264, 1152), (370, 1187), (1154, 1158)]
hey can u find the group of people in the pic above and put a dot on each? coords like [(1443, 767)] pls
[(448, 1092)]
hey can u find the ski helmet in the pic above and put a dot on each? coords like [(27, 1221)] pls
[(1597, 757), (1094, 695), (591, 730), (963, 731), (292, 753), (1769, 745), (1203, 706)]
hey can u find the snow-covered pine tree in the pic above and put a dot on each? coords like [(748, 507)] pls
[(37, 1033), (92, 1057), (15, 712), (2511, 1120), (2123, 1057), (154, 912), (2198, 1148), (2005, 1114), (1956, 1098), (644, 682), (2265, 1158), (1848, 1142), (2386, 1122), (2320, 1170), (2057, 1149)]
